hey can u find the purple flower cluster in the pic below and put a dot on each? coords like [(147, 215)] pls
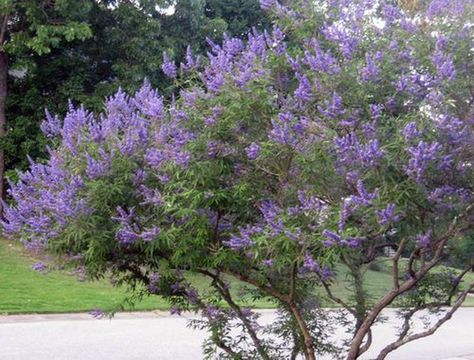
[(97, 314), (422, 155), (424, 239), (168, 66), (253, 151), (387, 216), (304, 92), (244, 239), (309, 203), (363, 197), (51, 127), (333, 239), (39, 267), (285, 129), (370, 71), (351, 154), (191, 62), (334, 107), (312, 265)]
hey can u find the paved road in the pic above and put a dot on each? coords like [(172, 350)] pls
[(147, 336)]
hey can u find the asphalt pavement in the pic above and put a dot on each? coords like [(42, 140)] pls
[(147, 336)]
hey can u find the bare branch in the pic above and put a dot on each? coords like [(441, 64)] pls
[(406, 339), (293, 282), (408, 284), (367, 344), (335, 298), (3, 30), (224, 291), (265, 288)]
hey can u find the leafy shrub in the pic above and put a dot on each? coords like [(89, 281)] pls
[(344, 130)]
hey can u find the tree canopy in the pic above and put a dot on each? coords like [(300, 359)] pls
[(126, 47), (343, 130)]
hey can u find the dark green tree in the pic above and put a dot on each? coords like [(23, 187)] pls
[(31, 27), (239, 15)]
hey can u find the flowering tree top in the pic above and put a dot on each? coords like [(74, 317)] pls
[(346, 129)]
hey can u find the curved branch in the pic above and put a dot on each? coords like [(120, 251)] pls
[(404, 339), (335, 298), (407, 285), (3, 30), (224, 291)]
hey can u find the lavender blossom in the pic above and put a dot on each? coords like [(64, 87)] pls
[(253, 151), (309, 202), (424, 239), (244, 239), (391, 13), (51, 127), (281, 130), (150, 234), (127, 236), (39, 267), (332, 238), (421, 156), (304, 92), (268, 262), (97, 314), (375, 111), (267, 4), (364, 198), (387, 215), (445, 69), (370, 71), (95, 168), (410, 131), (310, 264), (190, 63), (168, 66), (334, 107)]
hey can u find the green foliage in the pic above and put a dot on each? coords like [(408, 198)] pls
[(92, 48)]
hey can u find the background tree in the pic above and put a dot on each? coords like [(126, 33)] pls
[(33, 27)]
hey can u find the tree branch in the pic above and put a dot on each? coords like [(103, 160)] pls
[(224, 291), (396, 257), (3, 30), (404, 339), (335, 298), (407, 285)]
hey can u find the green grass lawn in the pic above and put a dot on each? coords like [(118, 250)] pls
[(23, 290)]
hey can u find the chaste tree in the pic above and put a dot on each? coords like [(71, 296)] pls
[(340, 138)]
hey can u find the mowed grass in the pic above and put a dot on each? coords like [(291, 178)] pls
[(23, 290)]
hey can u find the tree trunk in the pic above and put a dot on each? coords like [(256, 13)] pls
[(308, 339), (3, 119)]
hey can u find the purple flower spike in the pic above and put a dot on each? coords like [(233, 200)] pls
[(387, 215), (424, 240), (267, 4), (39, 267), (168, 66), (97, 313), (253, 151), (332, 238)]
